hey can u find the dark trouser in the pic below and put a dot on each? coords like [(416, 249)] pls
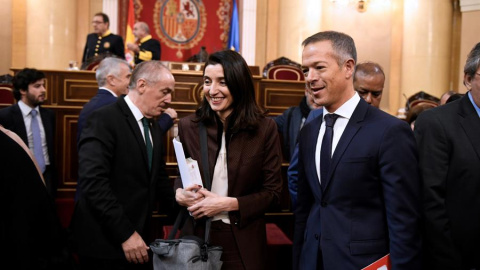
[(221, 235), (89, 263)]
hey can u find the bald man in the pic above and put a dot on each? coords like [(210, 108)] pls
[(368, 81), (145, 47)]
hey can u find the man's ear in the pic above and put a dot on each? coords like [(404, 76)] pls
[(141, 84), (110, 80), (349, 68), (467, 81)]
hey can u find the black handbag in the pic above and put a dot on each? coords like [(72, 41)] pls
[(189, 252)]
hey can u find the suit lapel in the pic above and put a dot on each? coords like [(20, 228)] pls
[(353, 125), (133, 124), (309, 162), (19, 123), (470, 123)]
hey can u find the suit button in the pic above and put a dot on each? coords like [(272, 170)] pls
[(316, 236), (323, 204)]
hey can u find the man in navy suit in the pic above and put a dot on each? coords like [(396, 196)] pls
[(29, 91), (113, 76), (449, 142), (358, 186)]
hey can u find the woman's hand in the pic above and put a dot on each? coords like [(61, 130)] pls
[(189, 196), (212, 205)]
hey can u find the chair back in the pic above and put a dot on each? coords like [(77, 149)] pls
[(283, 69), (6, 95)]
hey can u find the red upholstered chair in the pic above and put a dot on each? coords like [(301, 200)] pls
[(283, 69), (6, 95)]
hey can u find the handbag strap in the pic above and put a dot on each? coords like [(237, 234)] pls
[(183, 214), (206, 172)]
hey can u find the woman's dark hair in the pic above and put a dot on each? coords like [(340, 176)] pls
[(246, 112), (24, 78)]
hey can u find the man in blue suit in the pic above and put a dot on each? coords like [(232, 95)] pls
[(359, 185), (113, 76)]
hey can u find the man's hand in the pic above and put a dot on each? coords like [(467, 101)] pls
[(172, 113), (135, 249), (133, 47)]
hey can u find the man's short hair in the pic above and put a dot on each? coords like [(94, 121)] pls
[(342, 44), (145, 27), (369, 69), (104, 16), (473, 61), (23, 78), (147, 70), (109, 66)]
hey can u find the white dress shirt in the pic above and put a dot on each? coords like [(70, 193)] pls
[(220, 179), (27, 119), (345, 113), (138, 117)]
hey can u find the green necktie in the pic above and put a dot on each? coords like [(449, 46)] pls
[(148, 143)]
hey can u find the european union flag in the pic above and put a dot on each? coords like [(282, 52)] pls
[(234, 37)]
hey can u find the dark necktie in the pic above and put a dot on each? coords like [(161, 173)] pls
[(148, 143), (326, 151), (37, 141)]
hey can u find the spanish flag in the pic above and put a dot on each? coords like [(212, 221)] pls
[(129, 37)]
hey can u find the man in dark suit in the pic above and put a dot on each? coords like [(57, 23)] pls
[(102, 41), (358, 185), (122, 171), (449, 145), (113, 76), (37, 132), (146, 48)]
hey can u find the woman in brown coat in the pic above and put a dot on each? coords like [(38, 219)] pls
[(244, 158)]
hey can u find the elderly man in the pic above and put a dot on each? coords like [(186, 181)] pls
[(102, 41), (121, 172), (146, 48), (368, 81), (358, 179), (448, 138)]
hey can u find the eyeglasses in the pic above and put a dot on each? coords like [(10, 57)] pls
[(97, 22)]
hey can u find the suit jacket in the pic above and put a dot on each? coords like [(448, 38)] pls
[(370, 204), (292, 172), (28, 213), (288, 125), (11, 118), (254, 178), (150, 45), (118, 190), (449, 145), (109, 44), (101, 99)]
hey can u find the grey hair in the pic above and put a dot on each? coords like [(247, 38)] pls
[(342, 44), (109, 66), (149, 71), (473, 61)]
